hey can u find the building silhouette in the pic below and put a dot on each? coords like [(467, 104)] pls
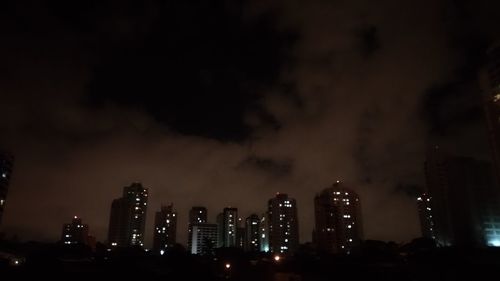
[(264, 232), (424, 205), (338, 225), (227, 223), (465, 205), (6, 163), (165, 233), (252, 231), (128, 217), (197, 215), (489, 80), (240, 237), (283, 224), (76, 232)]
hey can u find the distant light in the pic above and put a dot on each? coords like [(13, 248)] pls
[(494, 243), (162, 252), (419, 198), (277, 258), (338, 181), (16, 262), (228, 265), (75, 217)]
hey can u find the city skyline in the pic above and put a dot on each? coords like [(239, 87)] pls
[(225, 104)]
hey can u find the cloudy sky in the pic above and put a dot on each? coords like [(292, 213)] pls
[(224, 103)]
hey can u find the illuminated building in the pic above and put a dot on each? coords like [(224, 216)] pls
[(6, 163), (203, 238), (489, 80), (165, 232), (128, 217), (240, 237), (252, 231), (227, 223), (75, 232), (283, 224), (425, 214), (197, 215), (465, 205), (264, 233), (338, 226)]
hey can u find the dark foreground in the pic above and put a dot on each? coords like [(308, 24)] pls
[(376, 261)]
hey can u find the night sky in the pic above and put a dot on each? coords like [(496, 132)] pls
[(224, 103)]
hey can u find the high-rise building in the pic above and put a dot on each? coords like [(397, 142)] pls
[(128, 217), (165, 233), (489, 80), (6, 163), (240, 237), (227, 223), (197, 215), (76, 232), (465, 205), (338, 226), (283, 224), (425, 214), (252, 231), (203, 238), (264, 232)]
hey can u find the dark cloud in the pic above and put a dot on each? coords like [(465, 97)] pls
[(97, 94), (199, 70), (276, 168)]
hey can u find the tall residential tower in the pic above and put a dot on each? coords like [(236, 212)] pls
[(6, 163), (128, 217), (338, 219), (283, 224), (165, 233)]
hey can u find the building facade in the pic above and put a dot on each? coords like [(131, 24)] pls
[(165, 233), (197, 215), (75, 232), (283, 224), (204, 238), (424, 206), (465, 201), (338, 225), (128, 217), (227, 223), (489, 80), (264, 232), (6, 164), (252, 233)]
